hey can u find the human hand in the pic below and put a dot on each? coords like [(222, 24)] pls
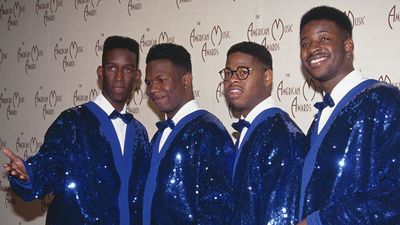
[(303, 222), (16, 166)]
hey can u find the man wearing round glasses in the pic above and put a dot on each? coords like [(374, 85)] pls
[(267, 167)]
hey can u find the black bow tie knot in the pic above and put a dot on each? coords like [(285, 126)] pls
[(238, 126), (126, 117), (326, 101), (161, 125)]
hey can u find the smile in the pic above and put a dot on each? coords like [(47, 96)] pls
[(318, 60)]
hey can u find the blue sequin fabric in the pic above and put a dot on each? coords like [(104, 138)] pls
[(356, 177), (268, 172), (193, 184), (75, 164)]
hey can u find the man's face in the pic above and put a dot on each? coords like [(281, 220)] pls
[(244, 95), (117, 75), (323, 50), (166, 86)]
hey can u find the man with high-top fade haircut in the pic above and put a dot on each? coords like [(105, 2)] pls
[(189, 180), (94, 158), (351, 172)]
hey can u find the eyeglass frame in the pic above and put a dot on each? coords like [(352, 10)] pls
[(249, 69)]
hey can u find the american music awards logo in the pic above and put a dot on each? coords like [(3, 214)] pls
[(393, 17), (220, 97), (49, 9), (67, 52), (134, 5), (196, 93), (182, 2), (136, 100), (356, 20), (11, 103), (269, 35), (46, 102), (11, 13), (209, 41), (29, 56), (147, 42), (89, 7), (3, 56), (10, 198), (219, 92), (3, 143), (98, 46), (302, 96), (82, 96), (28, 145), (386, 78)]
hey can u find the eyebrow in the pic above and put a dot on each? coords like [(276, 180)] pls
[(318, 33)]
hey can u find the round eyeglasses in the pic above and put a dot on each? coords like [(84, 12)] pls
[(242, 72)]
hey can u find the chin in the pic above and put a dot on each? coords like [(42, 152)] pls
[(235, 107), (236, 104)]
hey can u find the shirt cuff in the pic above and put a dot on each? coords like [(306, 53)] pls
[(26, 184), (313, 219)]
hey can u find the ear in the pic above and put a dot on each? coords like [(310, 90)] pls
[(100, 72), (268, 77), (138, 75), (348, 46), (187, 79)]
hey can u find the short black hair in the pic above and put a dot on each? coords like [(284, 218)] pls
[(177, 54), (328, 13), (258, 51), (113, 42)]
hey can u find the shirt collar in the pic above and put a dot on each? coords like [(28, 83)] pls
[(346, 84), (265, 104), (105, 105), (186, 109)]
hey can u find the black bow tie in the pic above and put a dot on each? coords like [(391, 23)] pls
[(238, 126), (161, 125), (127, 117), (326, 101)]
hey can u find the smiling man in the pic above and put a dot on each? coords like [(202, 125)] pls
[(270, 146), (351, 173), (192, 152)]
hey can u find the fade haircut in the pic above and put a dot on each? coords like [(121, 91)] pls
[(113, 42), (177, 54), (328, 13), (258, 51)]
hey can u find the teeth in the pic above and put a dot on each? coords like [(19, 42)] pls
[(235, 91), (317, 60)]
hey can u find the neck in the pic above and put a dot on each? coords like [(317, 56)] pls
[(117, 105), (329, 85), (170, 115)]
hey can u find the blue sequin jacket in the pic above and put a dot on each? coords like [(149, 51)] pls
[(75, 164), (268, 171), (193, 184), (356, 178)]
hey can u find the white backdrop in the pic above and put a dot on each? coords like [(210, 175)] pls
[(50, 49)]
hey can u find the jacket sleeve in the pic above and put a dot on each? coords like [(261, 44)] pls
[(46, 168), (216, 200)]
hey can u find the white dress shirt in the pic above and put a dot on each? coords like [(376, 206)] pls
[(265, 104), (186, 109), (119, 125), (339, 91)]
